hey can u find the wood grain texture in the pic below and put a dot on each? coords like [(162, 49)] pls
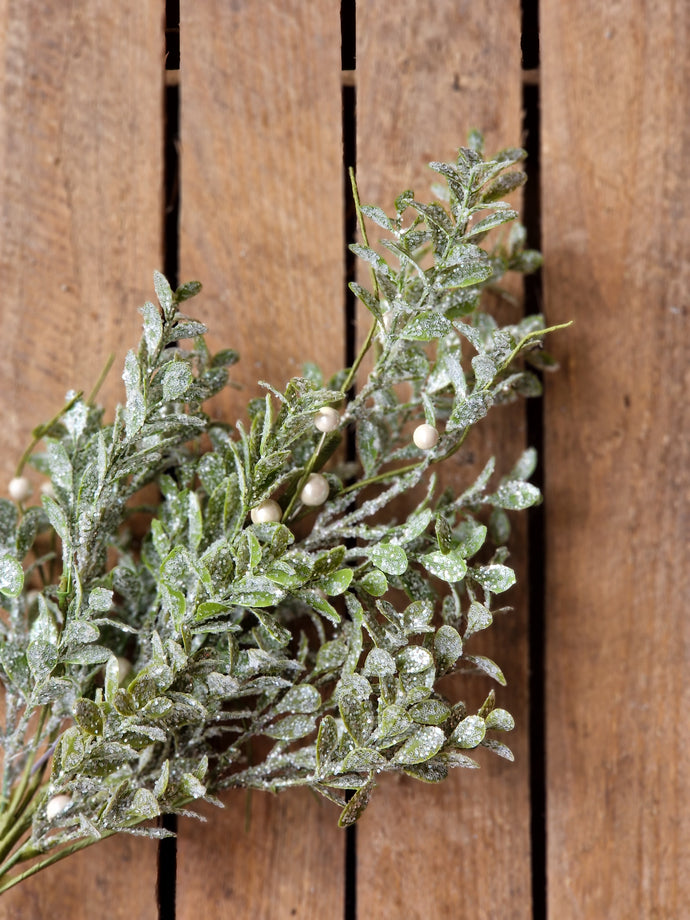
[(616, 131), (262, 228), (80, 233), (425, 76)]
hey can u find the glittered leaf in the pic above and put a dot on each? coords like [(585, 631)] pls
[(389, 558), (447, 647), (495, 578), (469, 733), (355, 807), (450, 567), (11, 576), (423, 745), (501, 720), (488, 667)]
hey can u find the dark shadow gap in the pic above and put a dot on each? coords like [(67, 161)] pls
[(349, 128), (535, 435), (167, 848)]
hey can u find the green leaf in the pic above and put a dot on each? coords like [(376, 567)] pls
[(423, 745), (153, 327), (326, 742), (291, 728), (101, 599), (502, 750), (450, 567), (515, 495), (504, 185), (501, 216), (42, 657), (426, 326), (469, 733), (374, 583), (88, 716), (363, 759), (135, 408), (353, 698), (176, 380), (301, 699), (11, 576), (488, 667), (337, 582), (413, 659), (447, 647), (370, 302), (478, 617), (495, 578), (500, 720), (355, 807), (389, 558), (379, 663), (165, 296), (429, 712)]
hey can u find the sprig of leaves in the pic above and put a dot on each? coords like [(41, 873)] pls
[(136, 676)]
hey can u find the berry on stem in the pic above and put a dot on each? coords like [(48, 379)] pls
[(425, 436), (327, 419), (315, 490), (268, 512), (19, 488), (57, 805)]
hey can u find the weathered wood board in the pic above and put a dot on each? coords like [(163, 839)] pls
[(81, 186), (423, 81), (262, 228), (616, 131)]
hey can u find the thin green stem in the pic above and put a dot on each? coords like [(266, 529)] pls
[(365, 239), (42, 430), (101, 378)]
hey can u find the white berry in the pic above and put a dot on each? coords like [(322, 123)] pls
[(425, 437), (315, 491), (57, 805), (327, 419), (388, 321), (20, 488), (268, 512)]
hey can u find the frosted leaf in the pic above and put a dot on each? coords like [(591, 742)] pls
[(469, 733), (176, 380), (375, 583), (42, 657), (447, 647), (163, 780), (450, 567), (144, 804), (165, 295), (499, 748), (393, 721), (356, 805), (417, 616), (429, 712), (75, 419), (488, 667), (379, 663), (425, 742), (484, 370), (469, 411), (336, 582), (413, 659), (363, 759), (301, 699), (353, 697), (135, 409), (516, 495), (291, 728), (495, 578), (525, 466), (11, 576), (153, 327), (426, 326), (101, 599), (470, 536), (389, 558), (478, 617), (501, 720)]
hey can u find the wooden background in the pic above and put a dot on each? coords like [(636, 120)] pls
[(592, 819)]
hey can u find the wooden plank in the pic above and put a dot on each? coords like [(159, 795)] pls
[(261, 227), (616, 131), (425, 76), (81, 177)]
